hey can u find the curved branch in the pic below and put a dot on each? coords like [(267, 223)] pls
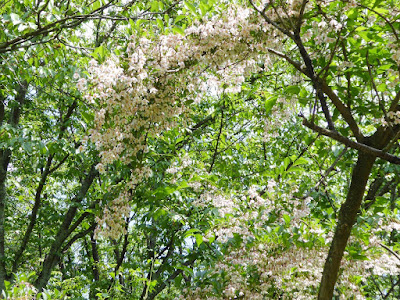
[(384, 18), (78, 236), (352, 144), (294, 63), (343, 110), (271, 22)]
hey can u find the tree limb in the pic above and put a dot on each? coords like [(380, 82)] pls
[(343, 110), (352, 144)]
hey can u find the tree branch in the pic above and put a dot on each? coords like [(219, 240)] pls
[(271, 22), (78, 236), (63, 232), (163, 284), (218, 138), (390, 250), (352, 144), (5, 157), (395, 102), (343, 110)]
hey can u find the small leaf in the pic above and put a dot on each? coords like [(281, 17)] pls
[(292, 90), (87, 117), (286, 162), (191, 7), (269, 104), (160, 24), (294, 169), (199, 239), (27, 147), (300, 161), (178, 30), (286, 218), (192, 232), (179, 18)]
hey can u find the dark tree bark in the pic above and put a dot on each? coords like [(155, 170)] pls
[(5, 157), (95, 256), (95, 269), (33, 216), (347, 218), (64, 232), (351, 207)]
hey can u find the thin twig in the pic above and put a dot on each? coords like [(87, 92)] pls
[(218, 139), (390, 250)]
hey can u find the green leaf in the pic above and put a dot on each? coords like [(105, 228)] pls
[(88, 117), (191, 7), (27, 147), (100, 53), (154, 6), (292, 90), (364, 35), (269, 104), (300, 161), (96, 5), (186, 269), (179, 18), (199, 239), (203, 9), (287, 219), (286, 162), (178, 29), (294, 169), (160, 24), (159, 212), (192, 232)]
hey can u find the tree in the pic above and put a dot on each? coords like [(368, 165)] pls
[(341, 60), (47, 197), (199, 149)]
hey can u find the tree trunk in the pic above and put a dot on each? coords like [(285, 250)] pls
[(95, 265), (5, 157), (4, 161), (347, 218), (63, 233)]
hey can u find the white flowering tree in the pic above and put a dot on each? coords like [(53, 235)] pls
[(341, 62), (212, 149)]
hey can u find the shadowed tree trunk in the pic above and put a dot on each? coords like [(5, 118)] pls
[(5, 157), (347, 218), (64, 232)]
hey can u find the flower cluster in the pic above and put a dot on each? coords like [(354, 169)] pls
[(394, 117), (112, 223), (266, 264), (141, 96), (160, 76)]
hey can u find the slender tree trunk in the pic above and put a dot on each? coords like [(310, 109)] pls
[(32, 219), (95, 267), (18, 257), (4, 161), (63, 233), (5, 157), (347, 218)]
